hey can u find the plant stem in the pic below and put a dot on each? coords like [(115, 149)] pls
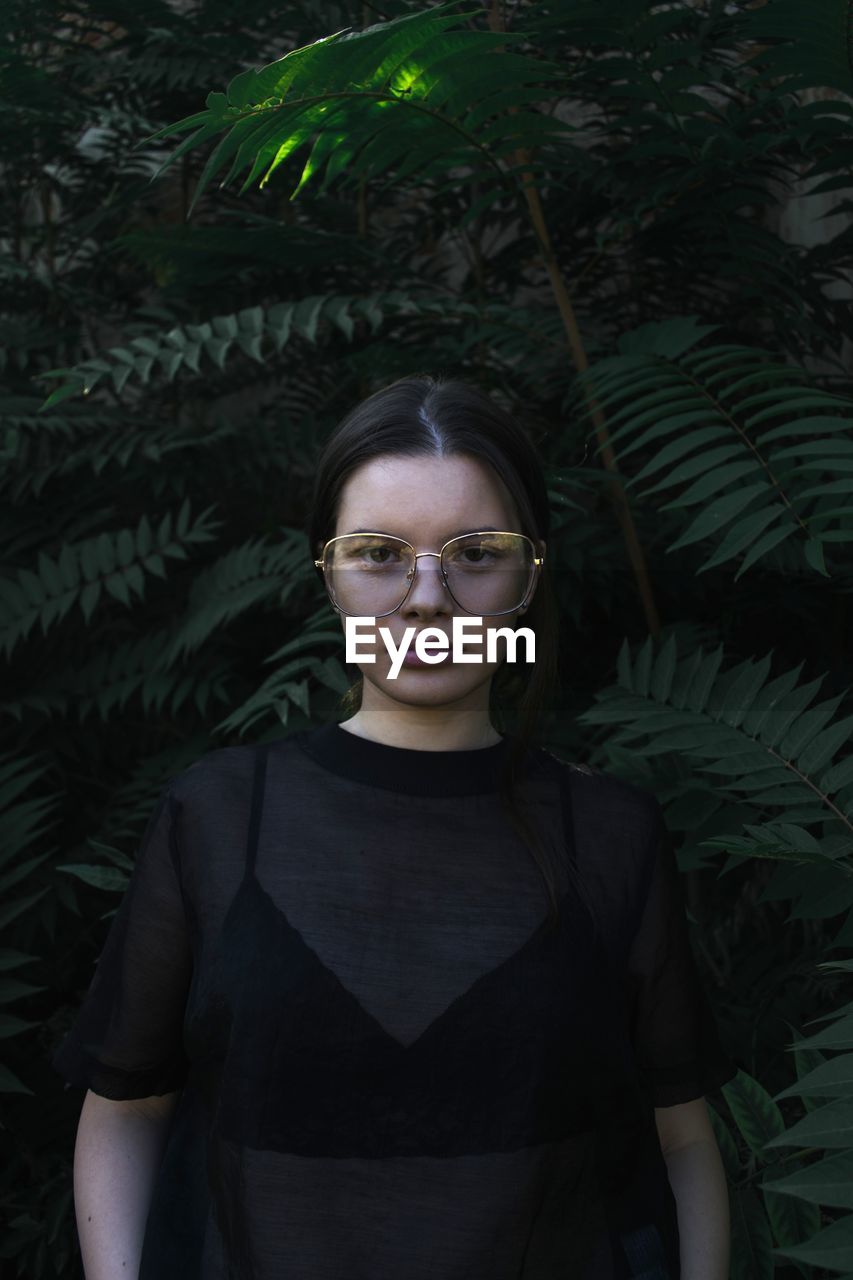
[(580, 360)]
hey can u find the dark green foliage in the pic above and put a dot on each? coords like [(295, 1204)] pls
[(713, 415), (405, 96), (356, 180)]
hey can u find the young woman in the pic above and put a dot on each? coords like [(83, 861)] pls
[(404, 996)]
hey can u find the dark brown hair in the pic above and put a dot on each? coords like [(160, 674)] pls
[(431, 415)]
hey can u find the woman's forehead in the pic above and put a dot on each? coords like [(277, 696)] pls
[(426, 484), (425, 499)]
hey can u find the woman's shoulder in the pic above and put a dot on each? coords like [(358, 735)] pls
[(615, 831), (222, 772), (600, 793)]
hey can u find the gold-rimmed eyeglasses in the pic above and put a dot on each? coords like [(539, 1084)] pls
[(486, 574)]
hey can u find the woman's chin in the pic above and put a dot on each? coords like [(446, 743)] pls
[(432, 685)]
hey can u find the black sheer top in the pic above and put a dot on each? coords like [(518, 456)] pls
[(388, 1064)]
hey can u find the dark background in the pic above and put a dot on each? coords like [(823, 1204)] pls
[(687, 234)]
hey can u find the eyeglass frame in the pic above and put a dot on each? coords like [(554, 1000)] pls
[(538, 562)]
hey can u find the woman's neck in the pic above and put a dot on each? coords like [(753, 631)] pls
[(424, 728)]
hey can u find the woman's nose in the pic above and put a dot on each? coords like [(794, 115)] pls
[(428, 592)]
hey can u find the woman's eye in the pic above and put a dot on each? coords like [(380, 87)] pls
[(381, 555), (475, 556)]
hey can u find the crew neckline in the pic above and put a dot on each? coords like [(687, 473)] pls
[(472, 771)]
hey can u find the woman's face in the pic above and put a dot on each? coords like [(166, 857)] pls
[(427, 501)]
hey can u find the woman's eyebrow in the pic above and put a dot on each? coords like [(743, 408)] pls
[(478, 528)]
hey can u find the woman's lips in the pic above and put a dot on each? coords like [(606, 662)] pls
[(412, 660)]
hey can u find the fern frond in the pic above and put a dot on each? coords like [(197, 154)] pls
[(257, 332), (761, 743), (408, 94), (290, 682), (88, 438), (244, 577), (116, 675), (760, 452), (807, 47), (21, 821), (130, 804), (111, 562)]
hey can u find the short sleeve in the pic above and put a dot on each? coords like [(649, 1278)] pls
[(127, 1039), (676, 1042)]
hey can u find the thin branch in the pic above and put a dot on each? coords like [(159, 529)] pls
[(580, 359)]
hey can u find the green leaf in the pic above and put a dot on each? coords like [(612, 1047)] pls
[(743, 691), (838, 776), (711, 483), (755, 1113), (663, 671), (89, 597), (306, 317), (9, 1082), (807, 726), (740, 535), (831, 1248), (770, 540), (792, 1220), (822, 748), (74, 387), (19, 906), (11, 959), (719, 513), (676, 448), (813, 550), (623, 665), (110, 879), (643, 667), (12, 1026), (702, 683), (116, 585), (11, 989), (837, 1036), (786, 710), (833, 1079), (105, 553), (751, 1245), (702, 464)]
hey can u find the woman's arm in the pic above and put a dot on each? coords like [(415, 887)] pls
[(698, 1180), (116, 1157)]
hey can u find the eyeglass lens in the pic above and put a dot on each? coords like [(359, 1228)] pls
[(486, 573)]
